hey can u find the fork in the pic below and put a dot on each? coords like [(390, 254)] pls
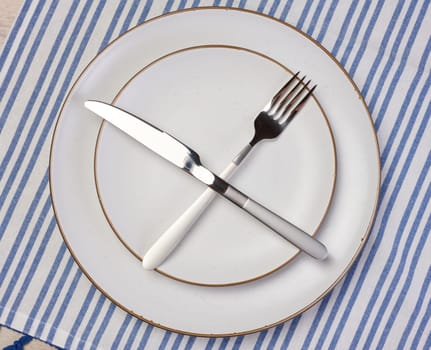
[(268, 124)]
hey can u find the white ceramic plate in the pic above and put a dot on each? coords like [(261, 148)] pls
[(181, 306), (208, 97)]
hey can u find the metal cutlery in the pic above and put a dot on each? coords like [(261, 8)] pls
[(268, 124), (188, 160)]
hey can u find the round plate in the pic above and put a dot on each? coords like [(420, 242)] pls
[(208, 97), (181, 306)]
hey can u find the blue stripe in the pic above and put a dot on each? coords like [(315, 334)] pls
[(345, 25), (177, 342), (165, 340), (367, 35), (286, 9), (356, 29), (78, 320), (382, 48), (327, 21), (93, 317), (304, 14), (21, 47), (210, 344), (390, 260), (13, 34), (292, 327), (382, 227), (104, 325), (414, 315), (262, 5), (147, 334), (146, 11), (190, 342), (182, 5), (238, 342), (428, 342), (168, 6), (316, 321), (23, 229), (274, 7), (407, 283), (130, 15), (223, 343), (121, 331), (315, 17), (275, 336), (260, 339), (401, 66), (420, 331), (31, 271), (133, 333), (64, 305), (196, 3), (44, 290), (112, 25), (242, 3), (61, 283)]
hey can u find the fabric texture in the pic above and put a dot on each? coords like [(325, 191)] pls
[(383, 302)]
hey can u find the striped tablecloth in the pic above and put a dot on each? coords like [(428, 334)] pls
[(383, 302)]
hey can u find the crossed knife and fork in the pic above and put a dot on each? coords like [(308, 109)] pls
[(268, 124)]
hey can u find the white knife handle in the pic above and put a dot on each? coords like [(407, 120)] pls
[(167, 242), (293, 234)]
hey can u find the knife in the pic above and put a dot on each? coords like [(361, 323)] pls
[(188, 160)]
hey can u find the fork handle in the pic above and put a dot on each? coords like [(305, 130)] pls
[(284, 228), (167, 242)]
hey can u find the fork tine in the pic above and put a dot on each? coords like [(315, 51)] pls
[(298, 106), (282, 91), (287, 104), (287, 101), (285, 96)]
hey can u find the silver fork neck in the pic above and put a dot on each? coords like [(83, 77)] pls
[(242, 154)]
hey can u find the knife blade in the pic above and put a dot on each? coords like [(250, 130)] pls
[(189, 161)]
